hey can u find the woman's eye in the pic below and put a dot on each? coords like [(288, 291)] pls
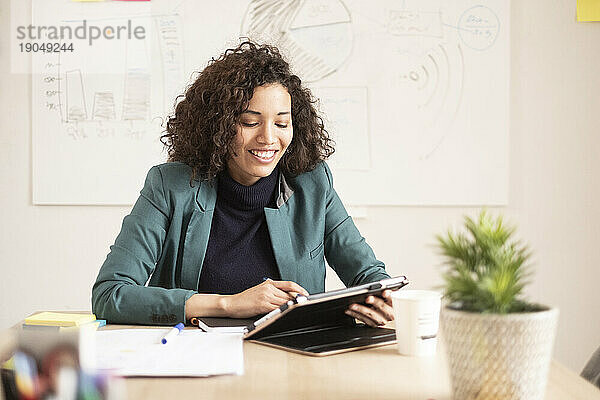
[(249, 124), (282, 125)]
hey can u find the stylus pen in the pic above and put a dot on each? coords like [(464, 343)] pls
[(172, 333), (273, 313), (268, 316)]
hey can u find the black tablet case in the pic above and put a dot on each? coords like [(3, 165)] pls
[(319, 326)]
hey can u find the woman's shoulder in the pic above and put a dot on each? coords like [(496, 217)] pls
[(319, 177), (172, 176)]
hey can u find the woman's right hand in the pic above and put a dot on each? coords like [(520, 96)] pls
[(261, 299)]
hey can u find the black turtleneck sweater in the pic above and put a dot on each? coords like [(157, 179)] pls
[(239, 253)]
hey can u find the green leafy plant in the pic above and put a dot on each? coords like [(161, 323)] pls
[(486, 270)]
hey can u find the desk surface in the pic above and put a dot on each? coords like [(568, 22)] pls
[(377, 373)]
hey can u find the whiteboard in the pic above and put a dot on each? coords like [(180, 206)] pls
[(415, 93)]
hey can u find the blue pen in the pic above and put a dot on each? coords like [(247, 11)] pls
[(172, 333)]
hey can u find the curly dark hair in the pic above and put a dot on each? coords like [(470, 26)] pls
[(201, 131)]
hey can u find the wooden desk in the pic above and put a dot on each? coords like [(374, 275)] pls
[(378, 373)]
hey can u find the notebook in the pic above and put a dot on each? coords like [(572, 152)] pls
[(222, 325)]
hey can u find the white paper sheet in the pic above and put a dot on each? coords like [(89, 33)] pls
[(138, 352)]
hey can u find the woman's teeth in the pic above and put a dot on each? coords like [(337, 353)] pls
[(263, 154)]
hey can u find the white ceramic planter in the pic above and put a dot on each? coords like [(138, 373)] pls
[(499, 357)]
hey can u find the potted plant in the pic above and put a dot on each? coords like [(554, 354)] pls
[(498, 345)]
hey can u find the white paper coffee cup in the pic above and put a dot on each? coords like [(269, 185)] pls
[(417, 317)]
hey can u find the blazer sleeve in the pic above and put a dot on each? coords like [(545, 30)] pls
[(346, 250), (120, 294)]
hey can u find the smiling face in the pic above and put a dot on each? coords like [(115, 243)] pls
[(263, 134)]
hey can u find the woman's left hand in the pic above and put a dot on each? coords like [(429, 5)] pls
[(377, 312)]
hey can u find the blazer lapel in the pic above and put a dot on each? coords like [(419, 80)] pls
[(279, 231), (281, 241), (197, 234)]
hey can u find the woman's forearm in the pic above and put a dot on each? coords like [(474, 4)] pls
[(120, 303), (259, 299), (206, 305)]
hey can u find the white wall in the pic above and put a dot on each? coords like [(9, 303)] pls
[(49, 256)]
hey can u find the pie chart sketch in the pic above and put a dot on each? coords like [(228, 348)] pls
[(316, 35)]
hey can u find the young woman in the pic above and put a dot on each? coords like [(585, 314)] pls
[(244, 214)]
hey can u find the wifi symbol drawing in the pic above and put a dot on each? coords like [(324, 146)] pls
[(433, 81)]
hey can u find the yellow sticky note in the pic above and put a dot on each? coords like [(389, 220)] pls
[(588, 10), (59, 319), (9, 364), (90, 325)]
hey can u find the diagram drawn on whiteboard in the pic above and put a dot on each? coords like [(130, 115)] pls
[(426, 64), (316, 34), (87, 101), (478, 27)]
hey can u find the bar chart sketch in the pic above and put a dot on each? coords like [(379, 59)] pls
[(75, 96)]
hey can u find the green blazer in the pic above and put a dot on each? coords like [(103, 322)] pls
[(154, 265)]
